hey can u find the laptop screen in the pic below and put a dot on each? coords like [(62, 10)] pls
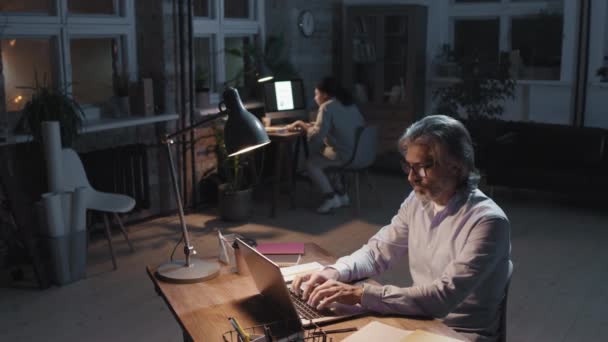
[(269, 281)]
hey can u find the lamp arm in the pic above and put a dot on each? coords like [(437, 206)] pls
[(168, 140), (203, 121)]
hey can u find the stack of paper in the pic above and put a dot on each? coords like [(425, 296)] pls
[(289, 273), (376, 331)]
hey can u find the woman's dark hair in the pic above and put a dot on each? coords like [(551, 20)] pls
[(331, 87)]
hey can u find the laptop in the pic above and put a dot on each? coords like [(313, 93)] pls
[(269, 281)]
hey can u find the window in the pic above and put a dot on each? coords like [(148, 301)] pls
[(236, 9), (221, 26), (538, 40), (235, 65), (92, 7), (81, 48), (476, 39), (23, 62), (529, 32), (28, 6), (95, 63), (204, 75), (201, 8)]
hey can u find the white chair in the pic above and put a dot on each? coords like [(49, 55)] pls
[(104, 202)]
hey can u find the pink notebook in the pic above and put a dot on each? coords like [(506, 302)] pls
[(281, 248)]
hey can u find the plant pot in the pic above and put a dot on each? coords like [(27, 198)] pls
[(235, 205)]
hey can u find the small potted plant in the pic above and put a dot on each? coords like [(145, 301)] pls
[(235, 195), (51, 104), (201, 87), (121, 85), (46, 104)]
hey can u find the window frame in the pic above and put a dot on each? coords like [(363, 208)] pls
[(505, 11), (219, 28), (65, 26)]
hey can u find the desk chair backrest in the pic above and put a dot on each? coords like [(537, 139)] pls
[(74, 173), (366, 145)]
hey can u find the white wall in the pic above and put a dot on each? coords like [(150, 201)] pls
[(548, 101)]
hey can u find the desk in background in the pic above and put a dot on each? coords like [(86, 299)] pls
[(202, 309), (282, 141)]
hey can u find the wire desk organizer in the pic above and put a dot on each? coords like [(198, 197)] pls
[(278, 333)]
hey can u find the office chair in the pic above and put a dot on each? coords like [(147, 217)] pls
[(364, 155), (103, 202)]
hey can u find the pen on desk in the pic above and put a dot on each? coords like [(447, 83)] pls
[(239, 330), (335, 331)]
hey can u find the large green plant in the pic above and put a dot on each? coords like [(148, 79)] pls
[(51, 104), (480, 91)]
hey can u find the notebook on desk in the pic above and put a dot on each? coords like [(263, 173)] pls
[(269, 281)]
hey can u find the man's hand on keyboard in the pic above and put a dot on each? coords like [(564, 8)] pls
[(308, 282), (334, 291)]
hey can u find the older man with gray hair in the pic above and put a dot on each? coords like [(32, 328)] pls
[(456, 238)]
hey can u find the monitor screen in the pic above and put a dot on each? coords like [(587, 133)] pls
[(284, 95)]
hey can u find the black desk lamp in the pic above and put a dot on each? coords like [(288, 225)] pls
[(243, 132)]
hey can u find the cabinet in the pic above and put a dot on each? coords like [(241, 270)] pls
[(383, 63)]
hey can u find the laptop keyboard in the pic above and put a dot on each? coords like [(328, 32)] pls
[(304, 310)]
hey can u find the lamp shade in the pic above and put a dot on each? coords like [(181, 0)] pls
[(243, 132)]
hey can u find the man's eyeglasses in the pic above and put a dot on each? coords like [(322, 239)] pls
[(419, 169)]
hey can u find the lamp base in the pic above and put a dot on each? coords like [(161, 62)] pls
[(177, 272)]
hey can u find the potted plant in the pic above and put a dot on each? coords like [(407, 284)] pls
[(46, 104), (51, 104), (121, 85), (477, 98), (235, 195), (200, 87)]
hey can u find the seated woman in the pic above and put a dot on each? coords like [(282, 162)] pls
[(331, 139)]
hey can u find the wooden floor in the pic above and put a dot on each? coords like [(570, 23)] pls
[(558, 291)]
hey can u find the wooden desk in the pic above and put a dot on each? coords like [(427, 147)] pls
[(202, 309), (282, 143)]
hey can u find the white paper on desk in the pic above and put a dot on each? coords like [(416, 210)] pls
[(226, 254), (289, 273), (376, 331)]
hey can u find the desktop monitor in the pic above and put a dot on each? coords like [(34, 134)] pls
[(284, 99)]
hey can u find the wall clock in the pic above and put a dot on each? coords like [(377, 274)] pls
[(306, 23)]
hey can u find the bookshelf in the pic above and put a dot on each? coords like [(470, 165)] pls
[(383, 63)]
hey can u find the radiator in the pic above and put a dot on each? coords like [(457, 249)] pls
[(122, 170)]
